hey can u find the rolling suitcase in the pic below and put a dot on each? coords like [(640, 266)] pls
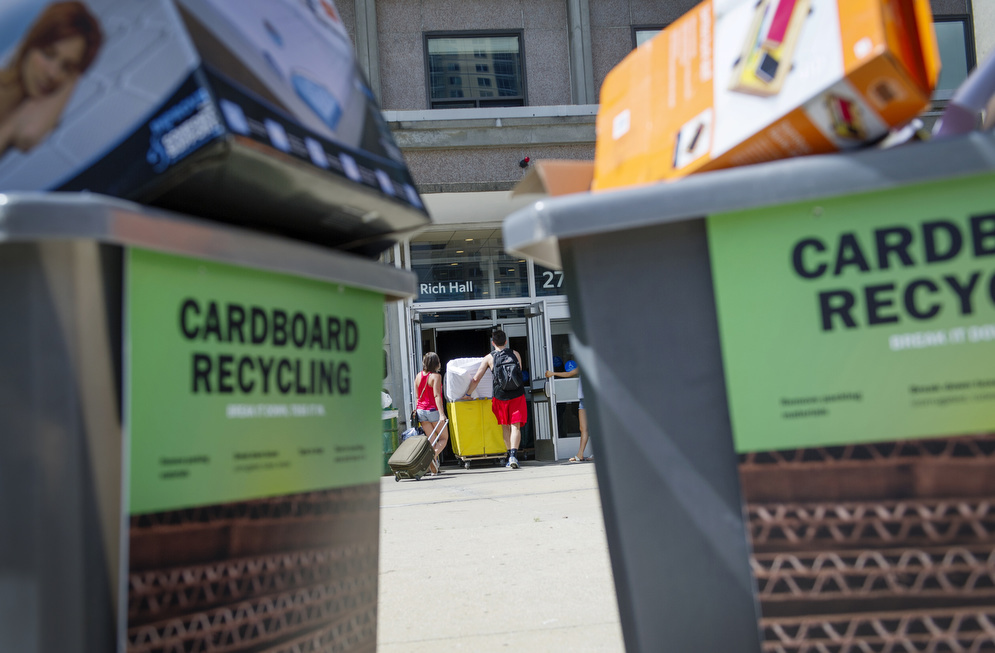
[(413, 457)]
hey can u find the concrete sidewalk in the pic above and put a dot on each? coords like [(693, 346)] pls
[(494, 559)]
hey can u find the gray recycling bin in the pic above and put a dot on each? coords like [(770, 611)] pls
[(190, 433), (811, 304)]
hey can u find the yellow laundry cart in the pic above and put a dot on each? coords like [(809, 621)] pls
[(474, 431)]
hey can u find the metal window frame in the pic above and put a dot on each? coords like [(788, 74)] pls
[(967, 22), (442, 102), (643, 28)]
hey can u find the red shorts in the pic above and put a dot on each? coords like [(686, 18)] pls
[(512, 411)]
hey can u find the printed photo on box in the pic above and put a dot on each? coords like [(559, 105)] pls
[(40, 76), (89, 74)]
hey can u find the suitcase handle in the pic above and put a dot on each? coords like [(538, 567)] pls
[(437, 431)]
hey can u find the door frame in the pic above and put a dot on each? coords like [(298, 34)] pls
[(535, 309)]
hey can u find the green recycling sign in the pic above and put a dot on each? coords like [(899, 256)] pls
[(242, 383), (861, 318)]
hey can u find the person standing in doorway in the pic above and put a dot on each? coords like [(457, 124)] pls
[(508, 398), (581, 413), (430, 408)]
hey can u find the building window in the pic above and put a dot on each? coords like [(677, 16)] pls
[(465, 266), (503, 70), (643, 33), (956, 41)]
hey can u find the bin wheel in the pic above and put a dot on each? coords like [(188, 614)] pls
[(466, 465), (397, 477)]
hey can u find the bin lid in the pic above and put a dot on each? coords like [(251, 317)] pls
[(536, 230), (27, 217)]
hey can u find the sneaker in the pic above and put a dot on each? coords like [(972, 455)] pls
[(513, 462)]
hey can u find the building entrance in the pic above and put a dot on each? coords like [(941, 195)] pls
[(465, 332)]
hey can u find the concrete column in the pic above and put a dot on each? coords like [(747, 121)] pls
[(984, 28), (367, 44), (581, 60)]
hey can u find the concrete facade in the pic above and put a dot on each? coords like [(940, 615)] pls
[(984, 28), (467, 150), (478, 150)]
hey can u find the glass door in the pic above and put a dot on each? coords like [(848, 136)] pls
[(564, 392), (540, 360), (415, 355)]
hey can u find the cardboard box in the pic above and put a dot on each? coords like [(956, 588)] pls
[(736, 82), (252, 112)]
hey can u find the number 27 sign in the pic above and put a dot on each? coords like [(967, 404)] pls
[(549, 279)]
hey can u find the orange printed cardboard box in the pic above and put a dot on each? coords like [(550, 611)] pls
[(735, 82)]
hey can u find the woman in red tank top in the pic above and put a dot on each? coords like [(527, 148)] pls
[(430, 406)]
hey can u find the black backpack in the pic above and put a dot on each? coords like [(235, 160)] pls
[(507, 372)]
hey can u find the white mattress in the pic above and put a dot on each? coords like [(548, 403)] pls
[(459, 373)]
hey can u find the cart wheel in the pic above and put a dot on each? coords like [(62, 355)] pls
[(397, 477), (466, 465)]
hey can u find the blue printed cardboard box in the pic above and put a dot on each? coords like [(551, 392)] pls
[(252, 112)]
